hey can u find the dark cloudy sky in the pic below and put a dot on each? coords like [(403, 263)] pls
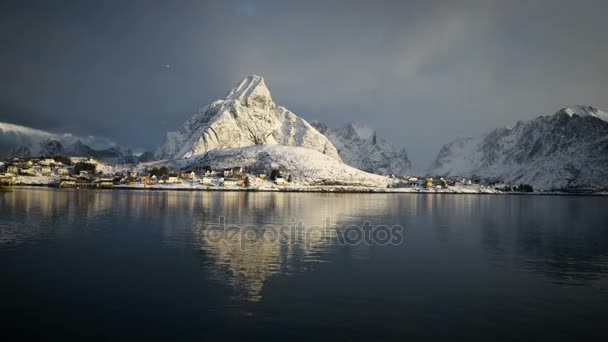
[(420, 72)]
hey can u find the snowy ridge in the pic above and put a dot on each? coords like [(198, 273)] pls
[(359, 146), (306, 166), (17, 140), (564, 150), (585, 111), (246, 116), (21, 141)]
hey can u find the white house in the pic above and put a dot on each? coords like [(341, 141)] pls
[(28, 172), (173, 179), (232, 182), (280, 181), (206, 181), (47, 162)]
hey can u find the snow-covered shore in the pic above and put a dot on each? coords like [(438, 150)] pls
[(325, 189)]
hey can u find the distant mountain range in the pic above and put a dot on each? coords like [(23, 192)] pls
[(564, 150), (568, 149), (360, 147), (20, 141)]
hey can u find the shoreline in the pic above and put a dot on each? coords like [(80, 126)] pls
[(344, 190)]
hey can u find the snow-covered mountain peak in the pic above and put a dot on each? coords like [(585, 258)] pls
[(251, 91), (563, 150), (246, 116), (359, 147), (584, 111)]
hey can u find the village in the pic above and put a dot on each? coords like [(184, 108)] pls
[(89, 173)]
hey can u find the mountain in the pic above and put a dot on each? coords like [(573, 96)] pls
[(145, 157), (16, 141), (568, 149), (21, 141), (79, 149), (246, 116), (305, 166), (19, 152), (359, 146), (50, 148)]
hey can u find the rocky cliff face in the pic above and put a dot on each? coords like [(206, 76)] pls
[(360, 147), (563, 150), (246, 116)]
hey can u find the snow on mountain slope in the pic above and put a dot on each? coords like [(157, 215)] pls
[(586, 111), (246, 116), (51, 147), (566, 149), (359, 147), (19, 140), (306, 166)]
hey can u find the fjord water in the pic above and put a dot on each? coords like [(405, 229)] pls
[(137, 263)]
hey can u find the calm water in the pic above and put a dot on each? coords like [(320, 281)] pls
[(128, 263)]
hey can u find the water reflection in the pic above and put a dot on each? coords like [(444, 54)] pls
[(248, 262), (562, 239)]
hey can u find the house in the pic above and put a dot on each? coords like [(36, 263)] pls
[(67, 182), (62, 171), (133, 174), (428, 183), (28, 172), (47, 162), (206, 181), (29, 163), (1, 167), (83, 174), (232, 182), (173, 179), (105, 182), (190, 175), (280, 181), (227, 172), (46, 170), (151, 180), (261, 174), (135, 182), (6, 179), (12, 169)]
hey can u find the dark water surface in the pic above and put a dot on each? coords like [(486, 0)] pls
[(130, 263)]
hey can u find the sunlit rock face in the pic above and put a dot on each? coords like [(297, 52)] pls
[(246, 116), (566, 149)]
